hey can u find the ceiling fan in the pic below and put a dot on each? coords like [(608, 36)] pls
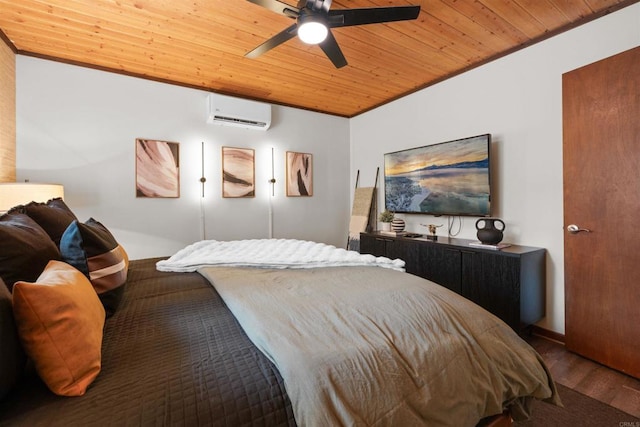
[(314, 20)]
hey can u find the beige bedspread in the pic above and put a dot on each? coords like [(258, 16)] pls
[(370, 346)]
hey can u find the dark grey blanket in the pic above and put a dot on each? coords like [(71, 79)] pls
[(173, 354)]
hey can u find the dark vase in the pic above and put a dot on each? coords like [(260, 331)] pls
[(489, 234)]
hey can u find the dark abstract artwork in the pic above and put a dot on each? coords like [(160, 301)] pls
[(157, 168), (238, 172), (299, 174)]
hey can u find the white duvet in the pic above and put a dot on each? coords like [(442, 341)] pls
[(269, 253)]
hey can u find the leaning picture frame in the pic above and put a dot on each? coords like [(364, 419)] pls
[(238, 172), (157, 168), (299, 179)]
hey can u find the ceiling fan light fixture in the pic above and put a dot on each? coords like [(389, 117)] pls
[(312, 31), (314, 20)]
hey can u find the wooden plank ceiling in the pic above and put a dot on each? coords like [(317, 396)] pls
[(201, 43)]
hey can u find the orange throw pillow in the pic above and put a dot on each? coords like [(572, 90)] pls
[(60, 322)]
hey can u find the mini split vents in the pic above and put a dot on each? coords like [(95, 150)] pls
[(230, 111)]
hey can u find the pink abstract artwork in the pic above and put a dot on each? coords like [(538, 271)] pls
[(238, 172), (157, 168), (299, 174)]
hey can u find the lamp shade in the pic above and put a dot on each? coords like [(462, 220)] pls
[(312, 29), (312, 32), (20, 193)]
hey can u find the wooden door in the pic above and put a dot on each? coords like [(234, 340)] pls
[(601, 167)]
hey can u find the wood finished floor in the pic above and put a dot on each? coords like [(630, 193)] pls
[(587, 377)]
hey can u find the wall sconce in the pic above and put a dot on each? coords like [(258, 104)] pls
[(272, 181), (273, 177), (20, 193), (202, 178)]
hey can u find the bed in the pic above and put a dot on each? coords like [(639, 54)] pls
[(172, 354), (221, 345)]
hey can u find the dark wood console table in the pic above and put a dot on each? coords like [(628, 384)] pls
[(509, 283)]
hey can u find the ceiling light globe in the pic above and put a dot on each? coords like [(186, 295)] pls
[(312, 32)]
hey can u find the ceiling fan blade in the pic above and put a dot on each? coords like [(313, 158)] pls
[(278, 7), (274, 41), (330, 47), (372, 15)]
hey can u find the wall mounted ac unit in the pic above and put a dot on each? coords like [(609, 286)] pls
[(229, 111)]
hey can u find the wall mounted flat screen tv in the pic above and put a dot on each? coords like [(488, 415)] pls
[(450, 178)]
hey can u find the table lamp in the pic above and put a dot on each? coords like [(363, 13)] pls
[(20, 193)]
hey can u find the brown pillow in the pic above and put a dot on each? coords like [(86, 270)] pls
[(54, 216), (12, 357), (60, 321), (25, 249)]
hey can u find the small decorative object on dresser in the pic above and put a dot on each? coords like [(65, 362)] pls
[(385, 218), (432, 231), (397, 224), (489, 234)]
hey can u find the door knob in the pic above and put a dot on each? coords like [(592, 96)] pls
[(574, 229)]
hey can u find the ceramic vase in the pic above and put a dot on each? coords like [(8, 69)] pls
[(490, 233), (397, 224)]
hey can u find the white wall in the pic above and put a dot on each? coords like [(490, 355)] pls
[(518, 99), (77, 126)]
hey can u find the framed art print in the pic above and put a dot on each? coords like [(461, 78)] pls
[(299, 174), (157, 168), (238, 172)]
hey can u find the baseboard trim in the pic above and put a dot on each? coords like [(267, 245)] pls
[(545, 333)]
